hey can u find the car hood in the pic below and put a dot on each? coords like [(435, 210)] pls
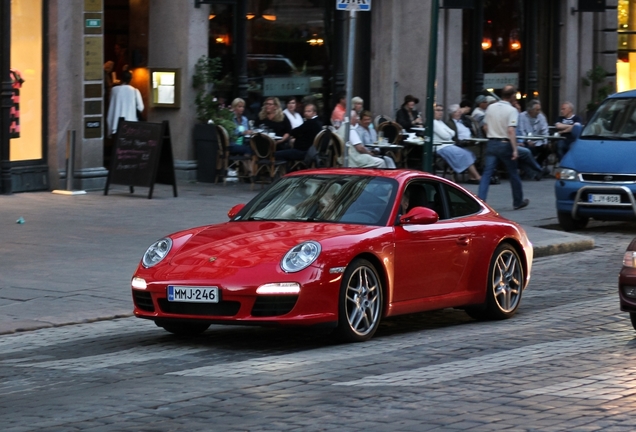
[(601, 156), (244, 245)]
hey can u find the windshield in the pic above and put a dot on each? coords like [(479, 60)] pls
[(615, 119), (325, 198)]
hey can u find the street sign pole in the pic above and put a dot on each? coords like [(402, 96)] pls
[(350, 57), (427, 160)]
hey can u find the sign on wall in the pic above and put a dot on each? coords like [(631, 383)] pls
[(499, 80), (357, 5), (290, 86)]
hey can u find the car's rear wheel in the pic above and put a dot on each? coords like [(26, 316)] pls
[(360, 307), (632, 316), (184, 328), (505, 285), (568, 223)]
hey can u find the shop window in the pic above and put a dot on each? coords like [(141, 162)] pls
[(26, 63)]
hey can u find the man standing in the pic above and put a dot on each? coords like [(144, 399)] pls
[(564, 126), (500, 123)]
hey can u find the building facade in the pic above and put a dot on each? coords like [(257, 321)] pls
[(56, 51)]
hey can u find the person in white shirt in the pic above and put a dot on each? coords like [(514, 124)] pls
[(368, 136), (359, 155), (125, 101), (295, 119)]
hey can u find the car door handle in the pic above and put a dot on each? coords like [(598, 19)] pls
[(463, 241)]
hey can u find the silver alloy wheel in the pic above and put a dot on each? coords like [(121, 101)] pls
[(507, 280), (362, 301)]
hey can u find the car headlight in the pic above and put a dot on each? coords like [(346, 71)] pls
[(156, 252), (300, 256), (629, 259), (565, 174)]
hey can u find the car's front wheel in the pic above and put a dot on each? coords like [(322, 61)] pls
[(360, 306), (568, 223), (505, 285), (183, 328)]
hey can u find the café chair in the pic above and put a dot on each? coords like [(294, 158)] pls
[(226, 161), (324, 148), (336, 151), (263, 158), (392, 131), (381, 119)]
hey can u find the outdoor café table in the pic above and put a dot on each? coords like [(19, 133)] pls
[(551, 139), (415, 145), (396, 151)]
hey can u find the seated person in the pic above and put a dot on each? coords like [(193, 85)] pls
[(272, 117), (359, 155), (458, 158), (304, 136), (237, 140), (368, 136), (407, 116)]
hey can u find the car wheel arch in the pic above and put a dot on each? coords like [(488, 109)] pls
[(382, 273)]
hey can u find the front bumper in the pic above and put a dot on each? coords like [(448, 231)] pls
[(572, 196), (626, 282), (317, 303)]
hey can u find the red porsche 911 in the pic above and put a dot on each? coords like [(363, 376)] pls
[(338, 247)]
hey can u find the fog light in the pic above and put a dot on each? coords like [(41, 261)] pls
[(138, 283), (629, 291), (279, 288)]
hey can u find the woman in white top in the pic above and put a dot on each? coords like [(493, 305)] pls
[(294, 118), (125, 101), (458, 158)]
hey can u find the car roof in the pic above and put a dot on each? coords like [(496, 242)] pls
[(402, 175), (625, 94)]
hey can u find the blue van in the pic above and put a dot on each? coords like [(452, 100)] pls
[(597, 177)]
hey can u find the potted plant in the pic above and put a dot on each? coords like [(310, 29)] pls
[(207, 84), (595, 78), (210, 112)]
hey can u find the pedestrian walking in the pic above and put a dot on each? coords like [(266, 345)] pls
[(500, 123)]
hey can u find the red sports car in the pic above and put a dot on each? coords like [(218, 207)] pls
[(341, 248)]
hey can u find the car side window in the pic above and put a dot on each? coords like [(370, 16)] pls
[(425, 194), (460, 203)]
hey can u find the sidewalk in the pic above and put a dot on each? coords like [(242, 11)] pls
[(72, 259)]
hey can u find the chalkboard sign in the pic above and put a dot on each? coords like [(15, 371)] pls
[(142, 156)]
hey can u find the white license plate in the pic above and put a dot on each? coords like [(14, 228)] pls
[(604, 199), (193, 294)]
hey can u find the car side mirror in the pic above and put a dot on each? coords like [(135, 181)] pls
[(419, 216), (234, 210)]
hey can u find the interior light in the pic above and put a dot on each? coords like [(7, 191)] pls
[(486, 43), (515, 45), (518, 95), (269, 17), (211, 16), (250, 16)]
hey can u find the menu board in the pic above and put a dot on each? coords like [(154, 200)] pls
[(142, 156)]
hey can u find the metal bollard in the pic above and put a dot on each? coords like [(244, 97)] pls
[(70, 158)]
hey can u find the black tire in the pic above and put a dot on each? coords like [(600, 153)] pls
[(632, 317), (568, 223), (504, 286), (184, 328), (361, 302)]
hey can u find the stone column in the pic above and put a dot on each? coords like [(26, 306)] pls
[(178, 35)]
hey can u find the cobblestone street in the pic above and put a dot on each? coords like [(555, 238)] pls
[(564, 362)]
